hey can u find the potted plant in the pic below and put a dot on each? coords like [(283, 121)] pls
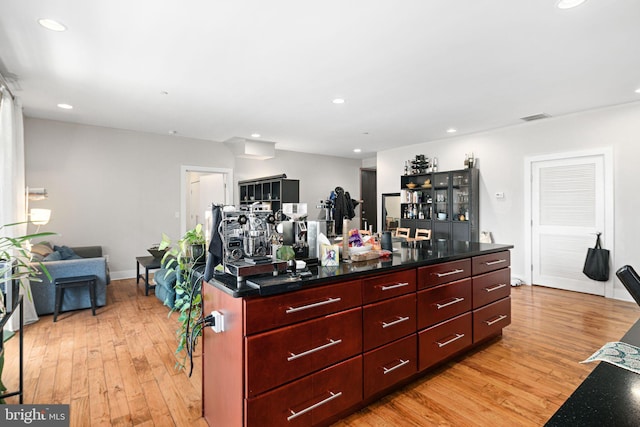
[(15, 265), (183, 257)]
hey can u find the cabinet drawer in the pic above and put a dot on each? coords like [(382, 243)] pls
[(267, 313), (490, 319), (443, 302), (282, 355), (490, 262), (443, 340), (443, 273), (490, 287), (388, 285), (388, 320), (311, 400), (390, 364)]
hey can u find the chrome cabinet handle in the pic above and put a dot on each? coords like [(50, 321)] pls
[(491, 322), (449, 273), (331, 343), (314, 406), (395, 322), (314, 305), (454, 301), (397, 285), (495, 262), (495, 288), (393, 368), (456, 338)]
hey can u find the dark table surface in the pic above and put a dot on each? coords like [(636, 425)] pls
[(406, 254), (609, 396)]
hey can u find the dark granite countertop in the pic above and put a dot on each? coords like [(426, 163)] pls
[(405, 255), (609, 396)]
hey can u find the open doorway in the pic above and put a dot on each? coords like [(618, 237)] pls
[(199, 187)]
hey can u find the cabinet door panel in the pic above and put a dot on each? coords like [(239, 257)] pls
[(267, 313), (388, 320), (491, 287), (276, 357), (388, 285), (490, 319), (309, 400), (442, 273), (443, 302), (490, 262), (443, 340), (390, 364)]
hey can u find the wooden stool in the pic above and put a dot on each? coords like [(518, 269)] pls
[(63, 283)]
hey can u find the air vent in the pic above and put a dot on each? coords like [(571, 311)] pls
[(535, 117)]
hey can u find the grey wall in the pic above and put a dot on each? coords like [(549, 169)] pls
[(121, 189), (501, 159)]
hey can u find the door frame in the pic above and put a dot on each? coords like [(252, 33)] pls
[(184, 171), (609, 236)]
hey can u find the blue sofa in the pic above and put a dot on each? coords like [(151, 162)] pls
[(165, 281), (87, 260)]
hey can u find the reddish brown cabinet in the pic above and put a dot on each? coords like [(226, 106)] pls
[(443, 273), (388, 320), (309, 357)]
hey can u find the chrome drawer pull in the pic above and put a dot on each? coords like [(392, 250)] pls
[(449, 273), (491, 322), (314, 305), (495, 262), (331, 343), (454, 301), (456, 338), (495, 288), (395, 322), (393, 368), (397, 285), (315, 405)]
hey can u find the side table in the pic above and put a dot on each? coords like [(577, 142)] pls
[(149, 263)]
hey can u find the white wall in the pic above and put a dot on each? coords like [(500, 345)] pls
[(500, 157), (121, 189), (318, 175)]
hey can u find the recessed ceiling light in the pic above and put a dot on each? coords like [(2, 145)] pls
[(452, 130), (52, 25), (638, 90), (255, 135), (164, 92), (568, 4), (338, 101), (65, 106), (357, 150), (173, 132)]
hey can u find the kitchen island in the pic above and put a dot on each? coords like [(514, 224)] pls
[(309, 350)]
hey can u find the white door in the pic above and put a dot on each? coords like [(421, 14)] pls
[(568, 209)]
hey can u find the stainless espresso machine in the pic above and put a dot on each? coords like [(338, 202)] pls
[(246, 241)]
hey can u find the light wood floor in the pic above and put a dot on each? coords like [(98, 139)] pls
[(117, 368)]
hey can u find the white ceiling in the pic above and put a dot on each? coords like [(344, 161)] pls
[(408, 70)]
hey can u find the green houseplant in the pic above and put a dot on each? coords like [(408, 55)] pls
[(15, 265), (182, 257)]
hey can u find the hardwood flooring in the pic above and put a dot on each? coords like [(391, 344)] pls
[(117, 368)]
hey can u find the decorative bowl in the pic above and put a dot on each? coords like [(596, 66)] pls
[(155, 252), (412, 185)]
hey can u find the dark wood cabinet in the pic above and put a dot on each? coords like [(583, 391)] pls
[(447, 203), (309, 357), (271, 190)]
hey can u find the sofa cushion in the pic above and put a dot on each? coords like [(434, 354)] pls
[(42, 249), (53, 256), (66, 252)]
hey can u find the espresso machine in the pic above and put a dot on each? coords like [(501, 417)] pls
[(247, 236)]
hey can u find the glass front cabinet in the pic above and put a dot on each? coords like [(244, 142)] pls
[(444, 202)]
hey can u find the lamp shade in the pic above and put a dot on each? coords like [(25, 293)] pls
[(40, 216)]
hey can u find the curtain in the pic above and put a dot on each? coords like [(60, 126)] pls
[(12, 188)]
